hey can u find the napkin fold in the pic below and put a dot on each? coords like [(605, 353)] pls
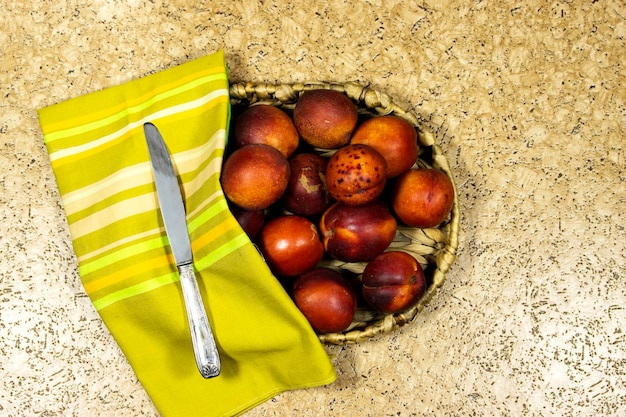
[(100, 160)]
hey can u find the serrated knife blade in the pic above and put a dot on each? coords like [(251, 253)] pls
[(174, 218)]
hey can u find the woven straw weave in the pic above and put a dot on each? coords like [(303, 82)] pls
[(435, 248)]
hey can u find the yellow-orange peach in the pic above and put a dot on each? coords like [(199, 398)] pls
[(393, 137), (422, 197), (255, 176), (325, 118), (267, 125), (356, 174)]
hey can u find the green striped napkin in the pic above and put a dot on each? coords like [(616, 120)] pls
[(100, 159)]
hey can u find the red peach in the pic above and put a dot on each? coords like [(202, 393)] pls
[(326, 299), (306, 193), (357, 233), (251, 221), (393, 281), (290, 245)]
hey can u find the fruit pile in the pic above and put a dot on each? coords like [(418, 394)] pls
[(320, 185)]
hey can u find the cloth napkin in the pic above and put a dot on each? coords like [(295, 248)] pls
[(100, 160)]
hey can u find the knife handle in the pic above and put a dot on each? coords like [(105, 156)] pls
[(204, 348)]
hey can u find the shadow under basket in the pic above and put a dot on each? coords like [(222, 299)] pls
[(434, 248)]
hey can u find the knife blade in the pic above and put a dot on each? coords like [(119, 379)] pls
[(174, 218)]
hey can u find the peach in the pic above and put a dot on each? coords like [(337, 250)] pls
[(251, 221), (326, 299), (356, 174), (422, 197), (267, 125), (357, 233), (255, 176), (306, 193), (325, 118), (393, 281), (393, 137), (290, 245)]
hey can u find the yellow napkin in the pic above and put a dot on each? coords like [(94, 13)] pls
[(101, 163)]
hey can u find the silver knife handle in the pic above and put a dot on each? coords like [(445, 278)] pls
[(205, 350)]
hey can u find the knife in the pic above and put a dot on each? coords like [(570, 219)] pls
[(174, 218)]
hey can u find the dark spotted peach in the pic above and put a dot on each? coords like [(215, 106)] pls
[(356, 174)]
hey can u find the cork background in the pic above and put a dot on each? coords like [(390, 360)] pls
[(527, 100)]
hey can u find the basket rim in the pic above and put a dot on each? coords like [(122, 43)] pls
[(378, 103)]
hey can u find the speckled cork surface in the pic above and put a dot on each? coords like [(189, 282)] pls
[(527, 100)]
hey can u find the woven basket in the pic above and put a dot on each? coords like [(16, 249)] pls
[(434, 248)]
